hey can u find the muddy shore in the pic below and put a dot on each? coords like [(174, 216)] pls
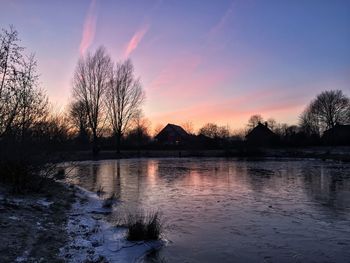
[(33, 225), (64, 224)]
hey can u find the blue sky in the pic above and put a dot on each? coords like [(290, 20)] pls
[(199, 61)]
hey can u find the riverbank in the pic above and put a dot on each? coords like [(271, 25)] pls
[(340, 153), (33, 225), (66, 224), (94, 239)]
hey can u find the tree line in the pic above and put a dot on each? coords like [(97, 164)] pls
[(106, 95), (107, 106)]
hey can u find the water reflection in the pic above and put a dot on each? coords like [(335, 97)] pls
[(229, 210)]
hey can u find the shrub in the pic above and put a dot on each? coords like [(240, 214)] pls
[(28, 174), (143, 226)]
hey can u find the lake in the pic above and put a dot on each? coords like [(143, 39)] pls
[(230, 210)]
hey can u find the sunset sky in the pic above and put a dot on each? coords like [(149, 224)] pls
[(199, 61)]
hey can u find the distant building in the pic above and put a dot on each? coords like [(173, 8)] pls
[(172, 134), (338, 135), (261, 135)]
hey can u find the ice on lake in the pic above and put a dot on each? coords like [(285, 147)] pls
[(228, 210)]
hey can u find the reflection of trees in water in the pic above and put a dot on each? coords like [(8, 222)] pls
[(94, 173), (129, 173), (261, 176), (136, 180), (270, 177), (258, 178), (115, 177), (327, 186), (85, 175)]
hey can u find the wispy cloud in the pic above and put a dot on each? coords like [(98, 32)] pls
[(89, 28), (222, 22), (135, 40)]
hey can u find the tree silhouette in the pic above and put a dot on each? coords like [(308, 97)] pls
[(10, 62), (22, 102), (123, 99), (79, 119), (325, 111), (188, 127), (254, 120), (138, 135), (214, 131), (91, 79)]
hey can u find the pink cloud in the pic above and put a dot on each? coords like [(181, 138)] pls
[(89, 28), (135, 40)]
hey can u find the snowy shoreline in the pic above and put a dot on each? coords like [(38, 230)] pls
[(93, 239)]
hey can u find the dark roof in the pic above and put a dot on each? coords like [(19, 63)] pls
[(178, 130), (259, 131)]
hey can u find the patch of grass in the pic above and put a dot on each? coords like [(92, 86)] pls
[(143, 226), (108, 202)]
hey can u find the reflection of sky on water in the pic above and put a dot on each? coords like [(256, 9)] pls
[(218, 209)]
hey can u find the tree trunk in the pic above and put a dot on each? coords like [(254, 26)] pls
[(95, 149), (118, 135)]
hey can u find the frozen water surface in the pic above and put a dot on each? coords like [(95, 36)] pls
[(224, 210)]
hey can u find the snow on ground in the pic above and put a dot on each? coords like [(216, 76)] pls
[(93, 239)]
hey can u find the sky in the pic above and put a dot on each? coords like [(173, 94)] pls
[(199, 61)]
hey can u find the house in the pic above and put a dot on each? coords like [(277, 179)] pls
[(338, 135), (172, 134), (261, 135)]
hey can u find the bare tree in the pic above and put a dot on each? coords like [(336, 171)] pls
[(91, 78), (308, 123), (32, 102), (10, 61), (331, 107), (239, 134), (272, 124), (123, 99), (224, 132), (281, 129), (254, 120), (79, 119), (157, 129), (188, 127), (214, 131), (325, 111), (210, 130), (138, 135), (55, 129), (22, 102)]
